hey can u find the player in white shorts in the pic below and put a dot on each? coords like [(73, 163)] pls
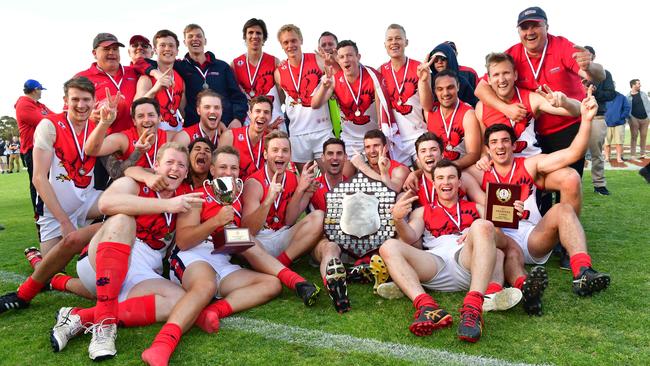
[(400, 78), (299, 76), (561, 220), (462, 254)]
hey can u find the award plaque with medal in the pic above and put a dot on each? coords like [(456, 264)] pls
[(500, 209)]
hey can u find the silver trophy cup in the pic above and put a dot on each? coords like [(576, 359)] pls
[(226, 189)]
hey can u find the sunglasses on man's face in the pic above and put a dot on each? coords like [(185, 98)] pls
[(140, 44)]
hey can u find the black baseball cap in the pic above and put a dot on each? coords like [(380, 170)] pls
[(534, 13), (105, 40)]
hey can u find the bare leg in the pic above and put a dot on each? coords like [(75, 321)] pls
[(245, 289), (408, 266), (479, 254), (619, 153), (569, 184), (306, 234), (167, 295), (62, 253), (559, 222), (514, 257), (201, 286), (324, 251), (497, 273), (75, 286)]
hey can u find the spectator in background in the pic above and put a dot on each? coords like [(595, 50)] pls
[(3, 163), (618, 111), (444, 58), (14, 154), (29, 112), (638, 118), (604, 92), (139, 48)]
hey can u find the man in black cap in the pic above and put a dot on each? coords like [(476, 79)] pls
[(604, 92), (139, 48)]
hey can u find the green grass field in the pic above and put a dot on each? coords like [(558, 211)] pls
[(608, 329)]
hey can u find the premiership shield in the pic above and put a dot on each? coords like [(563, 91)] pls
[(358, 215)]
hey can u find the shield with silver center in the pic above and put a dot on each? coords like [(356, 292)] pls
[(358, 215)]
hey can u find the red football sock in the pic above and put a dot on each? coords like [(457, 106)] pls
[(208, 318), (475, 299), (424, 300), (324, 282), (29, 289), (59, 281), (87, 315), (137, 311), (579, 260), (111, 265), (362, 260), (289, 278), (163, 345), (519, 282), (493, 288), (284, 259), (221, 307)]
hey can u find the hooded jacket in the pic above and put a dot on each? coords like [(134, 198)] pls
[(465, 88)]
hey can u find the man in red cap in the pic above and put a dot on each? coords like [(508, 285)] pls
[(139, 48)]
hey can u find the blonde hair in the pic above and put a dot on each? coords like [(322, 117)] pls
[(290, 28), (172, 145), (275, 134)]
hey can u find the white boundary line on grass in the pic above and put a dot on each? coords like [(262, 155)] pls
[(339, 342)]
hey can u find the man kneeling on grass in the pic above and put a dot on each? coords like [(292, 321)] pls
[(462, 255)]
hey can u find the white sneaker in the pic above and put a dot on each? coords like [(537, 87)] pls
[(502, 300), (390, 291), (102, 345), (67, 326)]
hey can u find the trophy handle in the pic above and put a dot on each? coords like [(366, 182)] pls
[(239, 184), (207, 191)]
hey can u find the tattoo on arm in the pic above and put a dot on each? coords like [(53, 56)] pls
[(116, 167)]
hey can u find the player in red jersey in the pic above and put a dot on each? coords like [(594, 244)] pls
[(453, 121), (63, 177), (124, 259), (170, 89), (272, 204), (254, 70), (210, 126), (502, 76), (362, 100), (109, 75), (538, 235), (136, 146), (460, 254), (400, 79), (326, 252), (379, 166), (249, 140)]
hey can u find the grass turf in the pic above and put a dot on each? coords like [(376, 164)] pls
[(607, 329)]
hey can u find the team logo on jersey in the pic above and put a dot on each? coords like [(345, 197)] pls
[(504, 194), (61, 125), (43, 112), (196, 136), (240, 137), (341, 79), (145, 189), (208, 199), (322, 186), (240, 62)]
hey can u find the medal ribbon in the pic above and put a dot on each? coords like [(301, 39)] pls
[(117, 85), (456, 222), (512, 123), (426, 190), (205, 135), (297, 86), (250, 150), (276, 203), (80, 150), (400, 87), (168, 216), (451, 122), (155, 152), (358, 95), (541, 61), (512, 172), (257, 68)]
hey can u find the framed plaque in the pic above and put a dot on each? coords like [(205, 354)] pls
[(232, 240), (500, 209)]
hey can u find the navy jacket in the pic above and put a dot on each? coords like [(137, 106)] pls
[(466, 89)]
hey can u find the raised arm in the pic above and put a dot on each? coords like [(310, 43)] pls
[(588, 68), (409, 232), (424, 85), (553, 102), (303, 193), (325, 89), (545, 164)]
